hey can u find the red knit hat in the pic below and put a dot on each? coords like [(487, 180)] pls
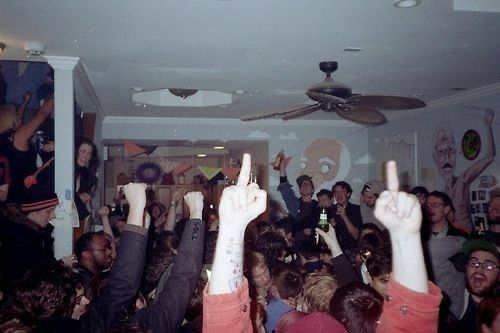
[(38, 201)]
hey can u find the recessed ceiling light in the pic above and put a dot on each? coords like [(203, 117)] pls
[(219, 147), (239, 91), (353, 49), (202, 155), (137, 88), (406, 3)]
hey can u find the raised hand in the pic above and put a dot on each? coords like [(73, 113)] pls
[(135, 194), (178, 194), (27, 96), (136, 197), (243, 202), (103, 211), (194, 200), (400, 212), (331, 241), (489, 115)]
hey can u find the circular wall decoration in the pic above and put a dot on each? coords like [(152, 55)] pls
[(471, 144), (148, 172)]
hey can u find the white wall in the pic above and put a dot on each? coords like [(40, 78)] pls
[(293, 137)]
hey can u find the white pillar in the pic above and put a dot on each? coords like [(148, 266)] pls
[(64, 140)]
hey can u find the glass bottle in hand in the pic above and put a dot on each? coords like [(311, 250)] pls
[(323, 225)]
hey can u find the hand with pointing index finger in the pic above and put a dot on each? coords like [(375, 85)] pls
[(399, 211), (243, 202)]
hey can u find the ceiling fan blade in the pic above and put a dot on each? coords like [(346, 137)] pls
[(361, 114), (386, 102), (320, 97), (302, 112), (274, 113)]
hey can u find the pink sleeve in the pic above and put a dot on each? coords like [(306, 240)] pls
[(227, 312), (406, 310)]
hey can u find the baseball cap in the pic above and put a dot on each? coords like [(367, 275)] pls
[(375, 186), (479, 244)]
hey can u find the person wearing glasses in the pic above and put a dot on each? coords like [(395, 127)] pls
[(482, 277), (443, 243)]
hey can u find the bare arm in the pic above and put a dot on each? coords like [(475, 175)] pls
[(106, 227), (239, 205), (24, 133), (22, 108), (401, 214), (170, 221), (478, 167)]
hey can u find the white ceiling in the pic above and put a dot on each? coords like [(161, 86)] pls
[(267, 49)]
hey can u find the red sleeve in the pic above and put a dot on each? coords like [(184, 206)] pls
[(406, 310), (227, 312)]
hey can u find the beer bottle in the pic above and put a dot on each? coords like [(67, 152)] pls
[(323, 225)]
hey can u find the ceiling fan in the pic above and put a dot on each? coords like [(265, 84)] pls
[(333, 96)]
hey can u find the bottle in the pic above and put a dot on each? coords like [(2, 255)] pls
[(277, 161), (323, 225)]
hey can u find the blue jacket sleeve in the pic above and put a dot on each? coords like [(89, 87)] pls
[(291, 201)]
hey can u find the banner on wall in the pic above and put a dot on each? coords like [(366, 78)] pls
[(182, 167), (208, 171), (132, 149)]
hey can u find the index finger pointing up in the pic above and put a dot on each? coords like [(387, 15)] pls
[(392, 177), (244, 176)]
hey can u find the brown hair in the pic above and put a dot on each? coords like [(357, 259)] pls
[(288, 281), (357, 306), (47, 291)]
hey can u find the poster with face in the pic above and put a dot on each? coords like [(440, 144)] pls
[(326, 161)]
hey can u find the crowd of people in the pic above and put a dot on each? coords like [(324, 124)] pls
[(395, 262)]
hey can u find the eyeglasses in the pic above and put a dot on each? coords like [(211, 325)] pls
[(434, 204), (485, 265)]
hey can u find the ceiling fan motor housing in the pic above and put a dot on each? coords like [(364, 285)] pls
[(329, 86), (332, 88)]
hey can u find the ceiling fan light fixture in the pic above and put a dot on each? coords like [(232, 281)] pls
[(406, 3), (184, 93)]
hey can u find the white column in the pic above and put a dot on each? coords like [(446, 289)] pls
[(64, 140)]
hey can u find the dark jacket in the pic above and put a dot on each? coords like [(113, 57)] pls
[(346, 241), (24, 245), (167, 313)]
